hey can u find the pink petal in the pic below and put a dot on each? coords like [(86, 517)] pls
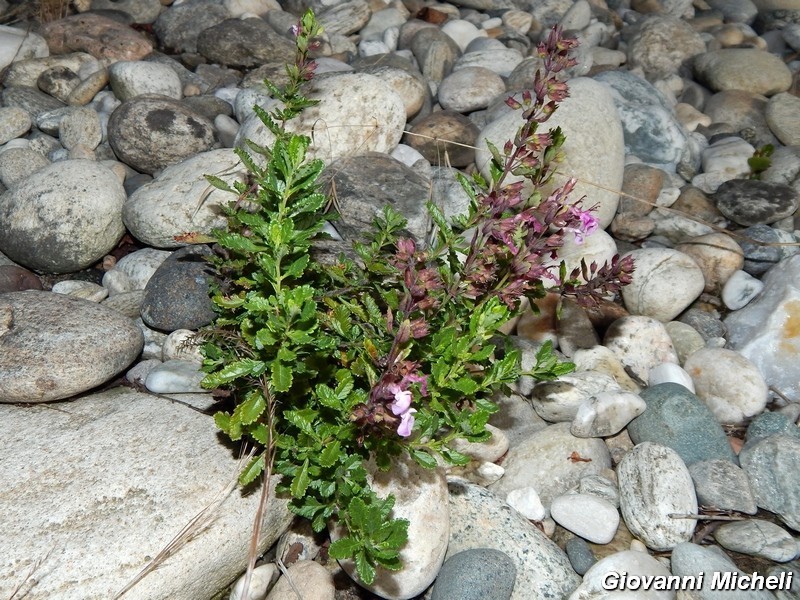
[(406, 423)]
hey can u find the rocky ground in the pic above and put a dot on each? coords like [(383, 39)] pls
[(686, 395)]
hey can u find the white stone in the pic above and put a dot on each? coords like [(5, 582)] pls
[(18, 44), (722, 161), (526, 502), (153, 340), (594, 148), (132, 471), (559, 400), (665, 282), (238, 8), (470, 89), (261, 579), (600, 486), (309, 578), (606, 414), (486, 474), (462, 32), (630, 562), (757, 537), (718, 256), (550, 462), (81, 289), (597, 247), (421, 497), (129, 79), (181, 344), (604, 361), (654, 484), (740, 289), (731, 385), (640, 343), (372, 48), (175, 377), (357, 113), (406, 155), (488, 451), (134, 270), (670, 373), (180, 200), (590, 517), (410, 88)]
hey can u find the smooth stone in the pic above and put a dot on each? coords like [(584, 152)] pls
[(769, 423), (630, 562), (103, 38), (600, 486), (306, 577), (134, 270), (469, 89), (574, 329), (81, 289), (489, 451), (606, 414), (641, 185), (80, 127), (29, 99), (746, 69), (476, 574), (182, 344), (39, 333), (640, 343), (138, 373), (420, 497), (365, 183), (409, 85), (89, 88), (661, 44), (17, 164), (130, 79), (723, 485), (299, 542), (781, 114), (175, 377), (179, 27), (685, 339), (587, 516), (107, 529), (670, 373), (345, 18), (740, 289), (462, 32), (772, 465), (751, 202), (651, 131), (678, 419), (654, 483), (728, 383), (151, 132), (757, 537), (26, 71), (444, 138), (14, 278), (722, 161), (153, 339), (706, 323), (262, 578), (177, 295), (64, 218), (244, 43), (357, 113), (543, 570), (501, 60), (20, 44), (141, 11), (760, 257), (435, 51), (718, 256), (594, 147), (180, 200), (515, 418), (664, 283), (692, 559), (527, 503), (14, 122), (544, 462), (560, 400), (126, 303), (604, 361), (580, 555)]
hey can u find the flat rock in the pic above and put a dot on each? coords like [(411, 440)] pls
[(64, 218), (150, 132), (588, 516), (39, 335), (781, 114), (476, 574), (723, 485), (772, 465), (179, 27), (594, 147), (753, 202), (29, 99), (244, 43), (630, 562), (757, 537), (99, 36), (678, 419), (180, 200), (129, 79), (654, 483), (746, 69), (543, 570), (105, 530)]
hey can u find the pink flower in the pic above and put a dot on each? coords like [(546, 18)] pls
[(406, 423), (401, 407)]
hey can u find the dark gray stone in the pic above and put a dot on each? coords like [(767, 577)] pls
[(759, 258), (678, 419), (151, 132), (753, 202), (209, 106), (177, 295), (773, 466), (179, 26), (244, 43), (721, 484), (580, 555), (363, 185), (476, 574), (427, 135), (770, 423), (705, 323), (29, 99)]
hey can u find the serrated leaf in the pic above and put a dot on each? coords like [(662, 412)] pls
[(300, 482), (223, 421), (234, 370), (303, 419), (454, 457), (423, 459), (281, 379), (297, 267), (466, 386), (330, 454), (358, 513), (343, 548), (219, 184), (252, 408), (366, 572), (253, 469)]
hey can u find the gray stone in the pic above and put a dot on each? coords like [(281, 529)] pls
[(129, 79), (654, 484), (661, 44), (59, 82), (244, 43), (706, 324), (126, 303), (14, 122), (580, 555), (114, 508), (470, 88), (640, 343), (80, 127), (543, 570), (29, 99), (175, 377), (134, 270), (39, 335), (721, 484), (141, 11), (17, 164), (782, 117), (676, 418), (363, 185), (306, 578), (179, 27), (431, 136), (752, 202), (773, 467), (770, 423), (151, 132), (759, 538), (177, 295), (746, 69), (344, 18), (629, 562), (476, 574), (64, 218)]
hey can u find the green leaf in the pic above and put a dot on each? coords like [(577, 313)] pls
[(358, 513), (297, 267), (454, 457), (466, 386), (281, 376), (235, 370), (303, 419), (219, 184), (253, 469), (300, 482), (423, 458), (330, 454), (252, 408), (343, 548), (365, 570)]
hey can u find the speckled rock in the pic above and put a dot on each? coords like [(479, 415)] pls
[(630, 562), (543, 569), (179, 27), (175, 377), (428, 134), (661, 44), (746, 69), (100, 36), (129, 79), (39, 333), (471, 88), (640, 343), (759, 258), (718, 256), (772, 465), (722, 484), (476, 574), (752, 202), (307, 577), (133, 271), (559, 400), (757, 537), (244, 43)]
